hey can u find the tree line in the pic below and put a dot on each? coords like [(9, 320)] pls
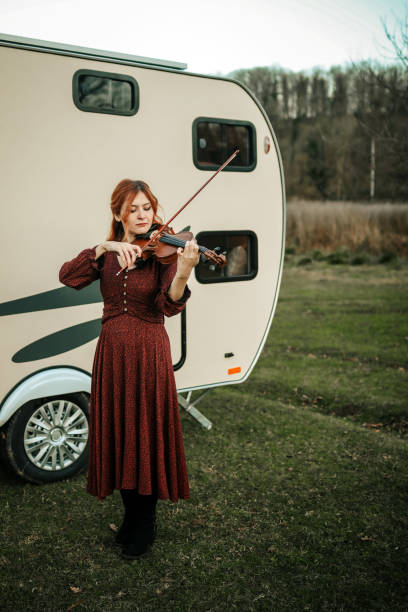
[(343, 132)]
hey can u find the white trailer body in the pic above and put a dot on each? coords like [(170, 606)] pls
[(74, 122)]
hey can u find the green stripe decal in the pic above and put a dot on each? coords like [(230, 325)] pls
[(49, 300), (59, 342)]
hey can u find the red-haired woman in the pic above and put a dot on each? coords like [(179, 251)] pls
[(135, 438)]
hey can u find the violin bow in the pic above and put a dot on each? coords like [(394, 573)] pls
[(157, 235)]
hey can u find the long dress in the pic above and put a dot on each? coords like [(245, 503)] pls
[(135, 437)]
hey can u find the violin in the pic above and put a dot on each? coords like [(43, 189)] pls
[(167, 251), (164, 249)]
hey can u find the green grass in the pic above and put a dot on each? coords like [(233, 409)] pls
[(339, 343), (296, 505)]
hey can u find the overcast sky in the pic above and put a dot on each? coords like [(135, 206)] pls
[(215, 36)]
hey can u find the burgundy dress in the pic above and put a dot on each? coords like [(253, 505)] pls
[(135, 437)]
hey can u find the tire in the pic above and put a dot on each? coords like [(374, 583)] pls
[(47, 439)]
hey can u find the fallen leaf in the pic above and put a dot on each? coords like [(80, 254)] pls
[(113, 527), (75, 589)]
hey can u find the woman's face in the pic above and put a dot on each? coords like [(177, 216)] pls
[(140, 217)]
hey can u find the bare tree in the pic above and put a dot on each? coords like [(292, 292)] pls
[(398, 38), (343, 132)]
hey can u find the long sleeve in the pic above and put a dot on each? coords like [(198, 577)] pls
[(163, 301), (80, 271)]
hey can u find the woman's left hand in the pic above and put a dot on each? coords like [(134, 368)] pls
[(187, 259)]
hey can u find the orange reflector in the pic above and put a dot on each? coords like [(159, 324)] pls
[(234, 370)]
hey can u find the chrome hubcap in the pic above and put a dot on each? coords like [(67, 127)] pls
[(56, 435)]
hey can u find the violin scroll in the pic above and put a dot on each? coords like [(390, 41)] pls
[(215, 256)]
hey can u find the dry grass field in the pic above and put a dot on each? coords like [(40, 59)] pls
[(375, 229)]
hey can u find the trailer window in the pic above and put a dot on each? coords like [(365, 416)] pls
[(214, 140), (105, 92), (241, 250)]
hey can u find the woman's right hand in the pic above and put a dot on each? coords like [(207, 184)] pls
[(127, 252)]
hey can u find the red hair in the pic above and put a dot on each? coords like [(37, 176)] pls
[(125, 192)]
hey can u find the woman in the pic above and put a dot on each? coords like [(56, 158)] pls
[(135, 438)]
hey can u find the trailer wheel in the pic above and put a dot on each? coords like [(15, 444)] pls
[(47, 440)]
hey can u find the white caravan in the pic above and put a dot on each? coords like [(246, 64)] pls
[(74, 122)]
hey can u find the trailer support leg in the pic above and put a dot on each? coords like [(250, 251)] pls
[(189, 406)]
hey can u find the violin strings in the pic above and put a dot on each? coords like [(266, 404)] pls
[(169, 239)]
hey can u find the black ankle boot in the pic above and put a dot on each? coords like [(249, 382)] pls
[(143, 534)]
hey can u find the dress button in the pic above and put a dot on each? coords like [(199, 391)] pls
[(125, 309), (124, 293), (124, 284), (124, 301)]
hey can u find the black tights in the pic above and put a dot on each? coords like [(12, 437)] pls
[(134, 502)]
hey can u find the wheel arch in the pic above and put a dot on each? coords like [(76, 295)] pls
[(44, 383)]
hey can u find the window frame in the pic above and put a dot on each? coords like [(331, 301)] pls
[(228, 168), (230, 279), (109, 75)]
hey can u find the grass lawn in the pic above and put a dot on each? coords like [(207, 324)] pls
[(339, 343), (299, 492)]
